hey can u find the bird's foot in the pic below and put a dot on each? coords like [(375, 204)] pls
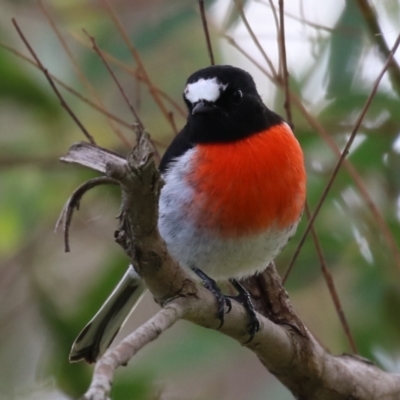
[(245, 300), (222, 300)]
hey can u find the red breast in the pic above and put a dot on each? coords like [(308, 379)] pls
[(247, 186)]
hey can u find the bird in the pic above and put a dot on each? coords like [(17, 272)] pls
[(234, 193)]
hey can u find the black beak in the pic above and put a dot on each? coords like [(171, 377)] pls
[(202, 108)]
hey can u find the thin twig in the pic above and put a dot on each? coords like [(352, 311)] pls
[(285, 73), (275, 16), (340, 161), (135, 72), (255, 39), (318, 127), (79, 72), (115, 79), (326, 273), (331, 286), (52, 84), (345, 30), (206, 33), (121, 354), (233, 43), (75, 92), (73, 203), (135, 54), (296, 18)]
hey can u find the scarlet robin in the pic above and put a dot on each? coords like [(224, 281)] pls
[(234, 192)]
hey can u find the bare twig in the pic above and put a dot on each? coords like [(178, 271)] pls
[(343, 155), (296, 18), (115, 79), (331, 286), (255, 39), (285, 73), (52, 84), (73, 203), (383, 226), (76, 93), (275, 16), (135, 72), (121, 354), (95, 158), (233, 43), (137, 58), (206, 33), (326, 273), (80, 74)]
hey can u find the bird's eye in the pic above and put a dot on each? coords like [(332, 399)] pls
[(237, 96)]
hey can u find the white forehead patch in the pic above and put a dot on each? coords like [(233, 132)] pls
[(204, 89)]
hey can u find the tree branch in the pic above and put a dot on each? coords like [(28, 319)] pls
[(206, 32), (114, 78), (81, 76), (120, 355), (283, 344), (142, 70), (282, 57), (64, 104)]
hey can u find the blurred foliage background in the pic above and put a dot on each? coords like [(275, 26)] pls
[(335, 52)]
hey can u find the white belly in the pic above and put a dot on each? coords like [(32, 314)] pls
[(192, 246)]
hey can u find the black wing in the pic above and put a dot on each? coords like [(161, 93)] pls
[(179, 146)]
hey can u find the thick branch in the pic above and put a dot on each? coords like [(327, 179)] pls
[(283, 343)]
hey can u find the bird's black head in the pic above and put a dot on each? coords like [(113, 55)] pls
[(224, 105)]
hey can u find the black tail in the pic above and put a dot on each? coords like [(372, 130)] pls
[(99, 333)]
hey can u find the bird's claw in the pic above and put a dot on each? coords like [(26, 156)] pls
[(222, 300), (245, 300)]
